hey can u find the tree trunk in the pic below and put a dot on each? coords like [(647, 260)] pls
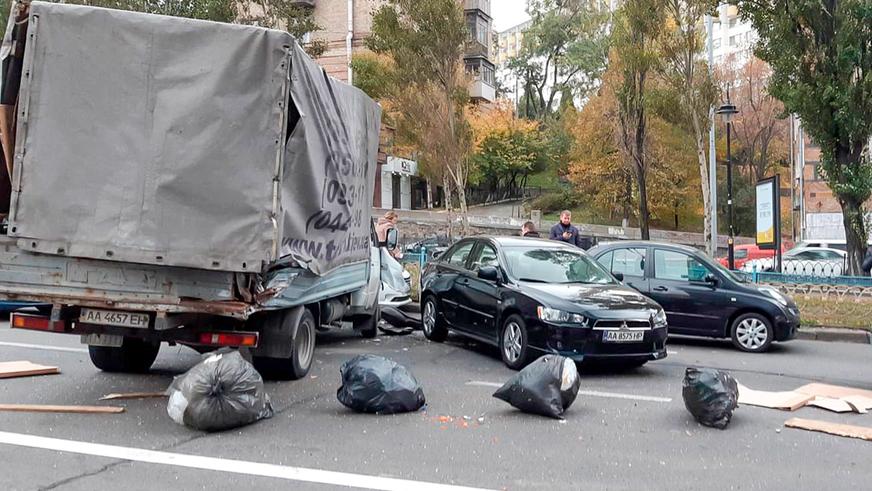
[(628, 198), (701, 144), (855, 233), (446, 184), (464, 215), (429, 194), (642, 179)]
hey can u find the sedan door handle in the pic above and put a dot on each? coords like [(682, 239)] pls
[(463, 281), (660, 289)]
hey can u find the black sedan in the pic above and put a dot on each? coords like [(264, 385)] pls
[(531, 296), (701, 297)]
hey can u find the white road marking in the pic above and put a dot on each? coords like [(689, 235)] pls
[(594, 393), (43, 347), (224, 465)]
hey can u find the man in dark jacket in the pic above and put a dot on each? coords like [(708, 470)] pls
[(867, 261), (529, 230), (565, 231)]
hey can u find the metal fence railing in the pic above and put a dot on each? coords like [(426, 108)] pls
[(805, 279)]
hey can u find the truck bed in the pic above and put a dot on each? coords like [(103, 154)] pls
[(53, 279), (44, 278)]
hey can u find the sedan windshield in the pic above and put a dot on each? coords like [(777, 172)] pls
[(554, 266)]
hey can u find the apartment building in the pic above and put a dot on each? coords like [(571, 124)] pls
[(509, 42), (733, 38)]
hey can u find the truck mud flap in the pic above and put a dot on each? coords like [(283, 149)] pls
[(276, 328)]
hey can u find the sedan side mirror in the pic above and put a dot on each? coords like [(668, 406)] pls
[(618, 276), (711, 279), (392, 239), (489, 273)]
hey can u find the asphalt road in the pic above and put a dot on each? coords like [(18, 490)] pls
[(625, 431)]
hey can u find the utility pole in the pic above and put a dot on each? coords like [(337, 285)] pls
[(728, 110), (713, 163)]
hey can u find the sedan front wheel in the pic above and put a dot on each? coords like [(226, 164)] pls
[(752, 333), (514, 346), (433, 326)]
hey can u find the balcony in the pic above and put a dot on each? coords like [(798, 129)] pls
[(483, 83), (481, 5), (482, 92)]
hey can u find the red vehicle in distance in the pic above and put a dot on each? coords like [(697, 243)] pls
[(746, 252)]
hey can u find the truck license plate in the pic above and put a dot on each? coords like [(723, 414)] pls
[(114, 318), (623, 336)]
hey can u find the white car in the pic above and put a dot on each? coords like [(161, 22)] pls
[(805, 261)]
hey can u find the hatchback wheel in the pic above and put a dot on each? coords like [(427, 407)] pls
[(514, 347), (752, 333), (434, 327)]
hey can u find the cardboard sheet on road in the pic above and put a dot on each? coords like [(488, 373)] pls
[(830, 397), (856, 404), (12, 369), (833, 391), (787, 401), (849, 431)]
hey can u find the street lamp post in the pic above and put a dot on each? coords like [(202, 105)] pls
[(727, 111)]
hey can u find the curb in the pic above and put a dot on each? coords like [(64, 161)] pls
[(832, 334)]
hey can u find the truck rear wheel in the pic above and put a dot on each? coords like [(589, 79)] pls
[(302, 353), (368, 324), (133, 356)]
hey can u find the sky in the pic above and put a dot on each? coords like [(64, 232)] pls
[(508, 13)]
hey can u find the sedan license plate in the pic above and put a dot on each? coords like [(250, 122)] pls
[(623, 336), (114, 318)]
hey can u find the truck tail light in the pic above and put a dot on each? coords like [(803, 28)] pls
[(233, 339), (37, 323)]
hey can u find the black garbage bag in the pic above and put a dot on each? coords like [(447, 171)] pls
[(374, 384), (710, 395), (548, 386), (221, 392)]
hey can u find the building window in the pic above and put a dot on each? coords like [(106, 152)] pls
[(733, 40), (482, 32), (482, 70), (734, 22)]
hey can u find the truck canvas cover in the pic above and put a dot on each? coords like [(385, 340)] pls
[(170, 141)]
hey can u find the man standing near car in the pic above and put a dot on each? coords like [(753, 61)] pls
[(564, 231), (867, 262), (529, 230)]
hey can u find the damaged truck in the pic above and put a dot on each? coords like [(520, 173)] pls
[(169, 180)]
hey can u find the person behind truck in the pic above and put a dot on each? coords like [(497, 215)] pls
[(529, 230), (564, 231), (867, 262), (385, 223)]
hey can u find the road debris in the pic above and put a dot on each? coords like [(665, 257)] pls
[(221, 392), (374, 384), (13, 369), (548, 387), (830, 397), (44, 408), (133, 395), (849, 431), (710, 396), (787, 401)]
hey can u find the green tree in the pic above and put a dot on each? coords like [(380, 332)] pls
[(637, 31), (564, 53), (276, 14), (429, 95), (820, 52), (681, 46)]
